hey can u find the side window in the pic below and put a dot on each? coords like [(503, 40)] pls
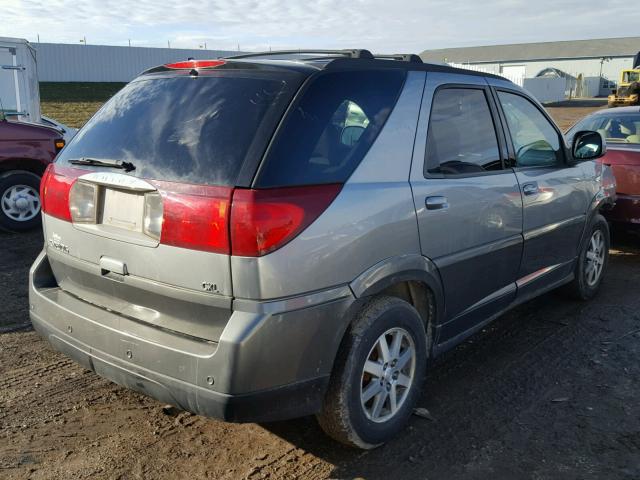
[(536, 142), (461, 137), (331, 127)]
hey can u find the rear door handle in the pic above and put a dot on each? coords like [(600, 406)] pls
[(436, 203), (530, 189)]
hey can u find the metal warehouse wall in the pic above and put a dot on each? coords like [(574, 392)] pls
[(587, 67), (101, 63)]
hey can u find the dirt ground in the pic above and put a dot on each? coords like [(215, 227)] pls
[(550, 390)]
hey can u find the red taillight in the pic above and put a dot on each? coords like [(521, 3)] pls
[(240, 222), (196, 64), (43, 182), (264, 220), (54, 191), (195, 216)]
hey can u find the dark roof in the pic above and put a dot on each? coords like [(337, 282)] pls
[(603, 47), (309, 65)]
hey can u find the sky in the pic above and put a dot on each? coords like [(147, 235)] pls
[(383, 26)]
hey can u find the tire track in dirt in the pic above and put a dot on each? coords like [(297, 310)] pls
[(26, 374), (516, 375)]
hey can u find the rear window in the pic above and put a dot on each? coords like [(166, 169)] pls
[(614, 127), (186, 128), (331, 127)]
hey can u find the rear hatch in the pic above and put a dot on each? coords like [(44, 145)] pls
[(136, 207)]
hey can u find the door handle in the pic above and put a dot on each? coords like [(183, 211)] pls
[(436, 203), (530, 189)]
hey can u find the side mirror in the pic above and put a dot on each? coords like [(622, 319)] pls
[(588, 145), (614, 91), (350, 135)]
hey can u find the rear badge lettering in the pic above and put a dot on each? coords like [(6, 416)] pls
[(209, 287), (55, 242)]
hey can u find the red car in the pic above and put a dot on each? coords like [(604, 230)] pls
[(25, 151), (621, 129)]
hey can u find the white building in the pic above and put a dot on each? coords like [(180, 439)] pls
[(595, 63), (60, 62)]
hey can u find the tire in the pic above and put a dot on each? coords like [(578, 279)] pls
[(343, 416), (19, 201), (585, 285)]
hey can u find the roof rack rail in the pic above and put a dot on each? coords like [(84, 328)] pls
[(357, 53), (403, 57)]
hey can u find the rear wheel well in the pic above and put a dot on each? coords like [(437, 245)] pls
[(419, 295), (22, 165)]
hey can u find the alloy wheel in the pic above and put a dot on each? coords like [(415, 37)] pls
[(594, 260), (388, 375)]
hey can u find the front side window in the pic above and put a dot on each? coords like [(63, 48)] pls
[(461, 138), (535, 140)]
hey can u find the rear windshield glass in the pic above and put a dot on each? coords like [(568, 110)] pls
[(330, 129), (614, 127), (186, 128)]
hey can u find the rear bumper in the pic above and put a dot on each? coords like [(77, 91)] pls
[(626, 210), (268, 365)]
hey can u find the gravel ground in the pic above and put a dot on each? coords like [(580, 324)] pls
[(550, 390)]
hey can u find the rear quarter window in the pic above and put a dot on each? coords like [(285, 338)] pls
[(330, 128)]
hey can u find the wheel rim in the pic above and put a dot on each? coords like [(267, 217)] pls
[(20, 203), (594, 260), (387, 375)]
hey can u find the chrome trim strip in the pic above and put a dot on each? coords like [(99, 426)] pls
[(536, 232), (481, 250), (521, 282), (511, 288), (118, 180)]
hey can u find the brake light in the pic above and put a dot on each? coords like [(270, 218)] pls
[(55, 187), (265, 220), (241, 222), (43, 182), (195, 64), (195, 216)]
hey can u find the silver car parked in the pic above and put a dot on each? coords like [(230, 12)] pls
[(270, 236)]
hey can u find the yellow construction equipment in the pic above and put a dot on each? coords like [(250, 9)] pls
[(628, 91)]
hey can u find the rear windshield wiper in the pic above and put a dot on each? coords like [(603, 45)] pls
[(94, 162)]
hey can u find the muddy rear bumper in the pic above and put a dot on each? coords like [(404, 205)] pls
[(268, 365)]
